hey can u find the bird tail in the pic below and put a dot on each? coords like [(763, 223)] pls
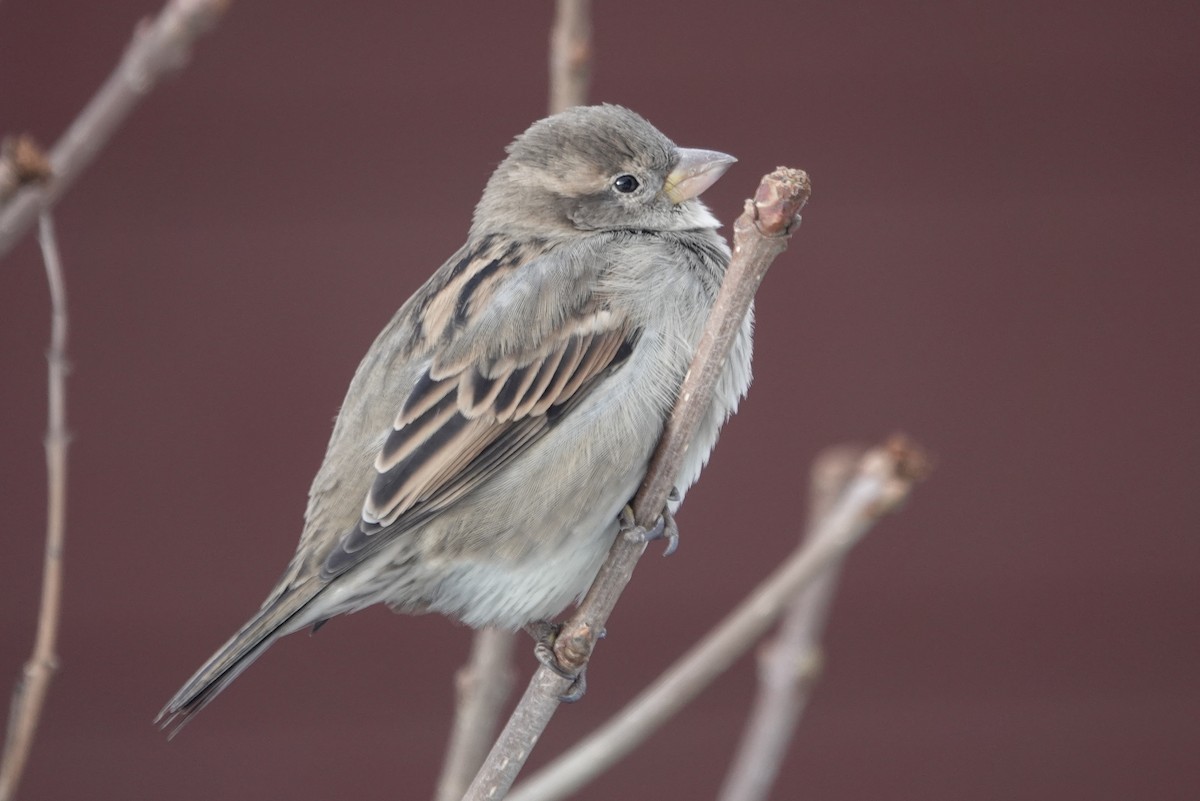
[(270, 623)]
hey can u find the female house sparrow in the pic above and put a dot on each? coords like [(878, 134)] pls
[(507, 413)]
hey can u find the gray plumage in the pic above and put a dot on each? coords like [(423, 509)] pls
[(506, 414)]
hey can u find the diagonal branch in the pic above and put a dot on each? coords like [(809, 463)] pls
[(760, 234), (159, 46), (790, 665), (30, 693), (882, 481)]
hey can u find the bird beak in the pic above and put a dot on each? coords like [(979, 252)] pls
[(696, 171)]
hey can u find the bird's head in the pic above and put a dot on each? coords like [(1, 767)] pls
[(598, 168)]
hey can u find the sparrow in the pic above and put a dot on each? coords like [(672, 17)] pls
[(503, 419)]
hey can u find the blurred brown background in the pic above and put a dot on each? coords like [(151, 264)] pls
[(999, 258)]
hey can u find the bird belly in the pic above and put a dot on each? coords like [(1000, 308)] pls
[(512, 594)]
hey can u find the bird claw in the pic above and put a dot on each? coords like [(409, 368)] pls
[(665, 528), (544, 633), (625, 518)]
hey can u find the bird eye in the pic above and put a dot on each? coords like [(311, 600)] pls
[(626, 184)]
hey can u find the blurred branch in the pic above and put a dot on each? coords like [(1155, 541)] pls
[(760, 234), (159, 46), (29, 696), (883, 479), (484, 684), (570, 54), (30, 184), (790, 665)]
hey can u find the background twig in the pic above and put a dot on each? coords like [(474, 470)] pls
[(484, 684), (30, 693), (790, 665), (760, 234), (570, 54), (159, 46), (884, 478)]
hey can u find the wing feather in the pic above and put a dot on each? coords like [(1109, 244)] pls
[(541, 382), (426, 394), (462, 423)]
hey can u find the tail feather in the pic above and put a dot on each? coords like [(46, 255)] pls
[(235, 656)]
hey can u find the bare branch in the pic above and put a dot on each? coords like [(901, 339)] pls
[(883, 480), (570, 54), (789, 667), (159, 46), (30, 693), (760, 234), (484, 684)]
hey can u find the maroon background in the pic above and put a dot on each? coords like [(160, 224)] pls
[(999, 258)]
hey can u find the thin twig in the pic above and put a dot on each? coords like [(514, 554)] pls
[(490, 669), (760, 234), (483, 684), (570, 54), (30, 694), (158, 47), (790, 665), (884, 478)]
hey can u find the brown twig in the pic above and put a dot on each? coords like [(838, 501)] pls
[(21, 162), (30, 693), (570, 54), (790, 665), (760, 234), (475, 718), (159, 46), (883, 480)]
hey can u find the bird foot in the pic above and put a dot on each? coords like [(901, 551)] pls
[(544, 634), (665, 528)]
